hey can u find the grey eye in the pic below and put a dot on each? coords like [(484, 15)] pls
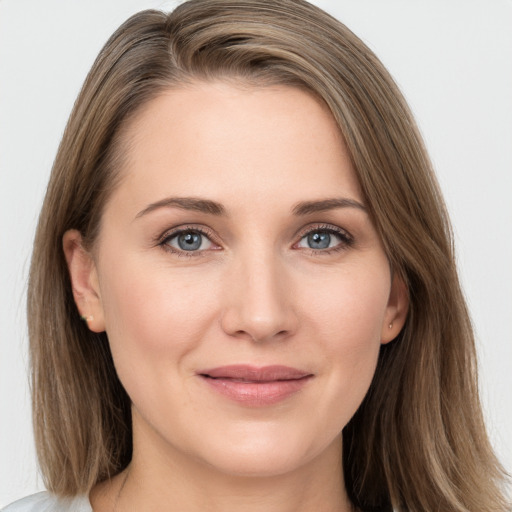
[(189, 241), (319, 240)]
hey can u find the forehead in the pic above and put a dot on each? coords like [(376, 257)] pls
[(219, 139)]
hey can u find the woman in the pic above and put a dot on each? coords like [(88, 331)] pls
[(243, 292)]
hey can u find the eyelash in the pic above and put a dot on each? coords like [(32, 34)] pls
[(346, 239), (163, 241)]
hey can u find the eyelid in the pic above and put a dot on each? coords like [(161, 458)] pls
[(162, 239), (324, 227), (346, 237)]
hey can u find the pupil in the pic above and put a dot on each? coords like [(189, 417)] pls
[(189, 241), (319, 240)]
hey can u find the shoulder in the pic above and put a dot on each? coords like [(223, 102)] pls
[(47, 502)]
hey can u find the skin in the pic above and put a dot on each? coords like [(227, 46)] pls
[(254, 293)]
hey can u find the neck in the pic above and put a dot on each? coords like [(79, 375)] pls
[(304, 490), (166, 480)]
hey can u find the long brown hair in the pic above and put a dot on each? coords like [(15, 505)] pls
[(418, 441)]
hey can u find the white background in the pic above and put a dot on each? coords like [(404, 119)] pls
[(453, 61)]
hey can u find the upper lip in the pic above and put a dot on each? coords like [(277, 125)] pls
[(255, 374)]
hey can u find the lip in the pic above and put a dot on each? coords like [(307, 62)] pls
[(255, 386)]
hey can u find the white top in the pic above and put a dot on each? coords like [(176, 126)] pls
[(46, 502)]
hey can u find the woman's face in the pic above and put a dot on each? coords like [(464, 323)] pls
[(243, 288)]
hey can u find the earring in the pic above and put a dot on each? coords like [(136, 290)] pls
[(390, 325), (87, 318)]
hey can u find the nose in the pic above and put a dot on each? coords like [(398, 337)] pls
[(259, 300)]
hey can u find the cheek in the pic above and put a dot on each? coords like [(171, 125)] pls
[(351, 305), (153, 313), (154, 322), (347, 321)]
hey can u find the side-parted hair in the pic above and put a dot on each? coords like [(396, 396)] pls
[(418, 441)]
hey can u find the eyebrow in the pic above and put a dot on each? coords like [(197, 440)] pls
[(213, 208), (185, 203), (308, 207)]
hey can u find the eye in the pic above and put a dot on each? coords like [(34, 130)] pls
[(188, 240), (323, 239)]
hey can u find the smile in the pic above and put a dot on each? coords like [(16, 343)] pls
[(253, 386)]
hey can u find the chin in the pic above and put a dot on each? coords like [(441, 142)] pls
[(259, 465), (268, 456)]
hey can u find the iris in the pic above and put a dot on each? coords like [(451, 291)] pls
[(319, 240), (189, 241)]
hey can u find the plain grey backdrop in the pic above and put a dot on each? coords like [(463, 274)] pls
[(453, 61)]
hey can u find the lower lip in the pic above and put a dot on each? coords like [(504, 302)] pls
[(257, 394)]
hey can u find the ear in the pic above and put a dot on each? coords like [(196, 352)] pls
[(396, 310), (84, 280)]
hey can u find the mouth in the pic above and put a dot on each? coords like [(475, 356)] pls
[(255, 386)]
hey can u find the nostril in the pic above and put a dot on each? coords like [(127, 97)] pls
[(258, 321)]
